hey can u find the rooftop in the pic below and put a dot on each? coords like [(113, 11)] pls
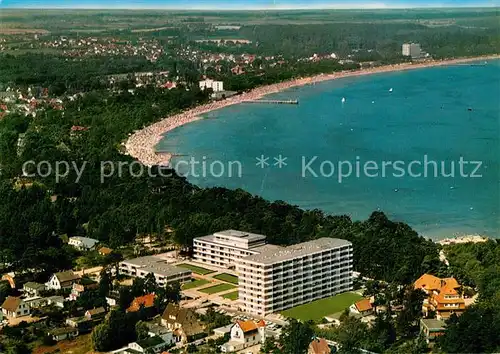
[(247, 237), (271, 255), (150, 342), (85, 240), (241, 234), (433, 324), (152, 264)]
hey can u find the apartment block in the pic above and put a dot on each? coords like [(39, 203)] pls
[(225, 248), (163, 272), (412, 50), (283, 277)]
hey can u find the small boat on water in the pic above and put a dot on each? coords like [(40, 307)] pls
[(343, 99), (390, 90)]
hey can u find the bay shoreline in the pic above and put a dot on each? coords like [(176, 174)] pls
[(141, 145)]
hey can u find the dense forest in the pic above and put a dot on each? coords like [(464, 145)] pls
[(123, 207)]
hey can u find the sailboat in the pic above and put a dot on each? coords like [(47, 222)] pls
[(390, 90), (343, 99)]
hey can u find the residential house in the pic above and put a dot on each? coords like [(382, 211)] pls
[(57, 301), (319, 346), (183, 322), (237, 70), (164, 333), (443, 296), (149, 345), (84, 284), (60, 334), (83, 324), (35, 302), (112, 299), (362, 307), (432, 328), (14, 307), (33, 289), (146, 301), (222, 331), (104, 251), (95, 314), (245, 334), (62, 280), (82, 243)]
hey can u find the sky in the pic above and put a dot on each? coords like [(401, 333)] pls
[(243, 4)]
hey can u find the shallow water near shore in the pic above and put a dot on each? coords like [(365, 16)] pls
[(439, 114)]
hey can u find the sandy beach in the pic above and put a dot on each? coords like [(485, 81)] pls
[(142, 144)]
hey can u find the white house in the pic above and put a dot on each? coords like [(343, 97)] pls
[(216, 86), (59, 334), (245, 334), (149, 345), (62, 280), (14, 307), (33, 289), (57, 301), (35, 302), (82, 243), (155, 330)]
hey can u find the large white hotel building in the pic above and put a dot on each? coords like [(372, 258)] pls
[(225, 248), (274, 278)]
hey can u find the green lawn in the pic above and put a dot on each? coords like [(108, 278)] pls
[(196, 269), (231, 296), (194, 284), (227, 277), (217, 288), (318, 309)]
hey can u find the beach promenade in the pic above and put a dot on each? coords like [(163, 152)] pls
[(142, 144)]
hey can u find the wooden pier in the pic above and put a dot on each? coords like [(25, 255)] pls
[(273, 101), (471, 64)]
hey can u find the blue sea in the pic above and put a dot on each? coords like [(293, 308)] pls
[(426, 152)]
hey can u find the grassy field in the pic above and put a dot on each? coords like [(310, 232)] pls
[(194, 284), (318, 309), (80, 345), (196, 269), (217, 288), (231, 296), (227, 278)]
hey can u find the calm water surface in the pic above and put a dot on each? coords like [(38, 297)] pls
[(444, 113)]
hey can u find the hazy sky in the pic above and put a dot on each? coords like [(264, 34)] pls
[(243, 4)]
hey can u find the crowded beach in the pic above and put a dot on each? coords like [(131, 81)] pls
[(142, 144)]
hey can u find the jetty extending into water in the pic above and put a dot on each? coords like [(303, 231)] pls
[(471, 64), (273, 101)]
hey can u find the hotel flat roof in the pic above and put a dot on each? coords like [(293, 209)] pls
[(152, 264), (241, 234), (246, 237), (282, 254)]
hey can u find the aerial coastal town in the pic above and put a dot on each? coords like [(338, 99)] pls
[(146, 263), (234, 278)]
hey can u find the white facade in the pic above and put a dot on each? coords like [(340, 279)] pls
[(163, 272), (225, 248), (412, 50), (276, 280), (82, 243), (62, 280), (216, 86), (243, 335)]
